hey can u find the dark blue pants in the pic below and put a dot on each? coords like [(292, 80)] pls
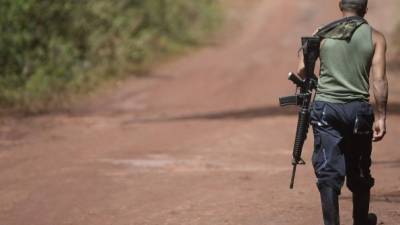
[(343, 144)]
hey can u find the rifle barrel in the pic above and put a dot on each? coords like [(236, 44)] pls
[(293, 176)]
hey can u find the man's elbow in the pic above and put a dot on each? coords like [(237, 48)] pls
[(301, 71)]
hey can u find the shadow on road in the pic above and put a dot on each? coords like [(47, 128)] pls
[(244, 114), (388, 197), (389, 163), (250, 113)]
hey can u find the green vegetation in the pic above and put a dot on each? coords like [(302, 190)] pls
[(52, 48)]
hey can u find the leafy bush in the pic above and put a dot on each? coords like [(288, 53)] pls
[(49, 48)]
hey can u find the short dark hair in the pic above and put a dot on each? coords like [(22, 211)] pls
[(357, 6)]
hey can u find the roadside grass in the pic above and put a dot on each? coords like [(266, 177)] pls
[(52, 52)]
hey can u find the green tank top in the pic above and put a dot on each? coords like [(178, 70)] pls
[(345, 67)]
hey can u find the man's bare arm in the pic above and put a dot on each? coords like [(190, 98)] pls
[(301, 66), (380, 85)]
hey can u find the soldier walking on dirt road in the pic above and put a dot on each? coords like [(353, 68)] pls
[(342, 118)]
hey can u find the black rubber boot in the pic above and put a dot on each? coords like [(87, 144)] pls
[(361, 216), (330, 205)]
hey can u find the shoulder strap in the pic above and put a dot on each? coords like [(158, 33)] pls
[(331, 26), (334, 24)]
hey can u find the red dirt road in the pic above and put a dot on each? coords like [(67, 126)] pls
[(200, 141)]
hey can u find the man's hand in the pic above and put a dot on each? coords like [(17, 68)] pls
[(379, 130)]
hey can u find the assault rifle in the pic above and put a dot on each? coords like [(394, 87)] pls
[(303, 98)]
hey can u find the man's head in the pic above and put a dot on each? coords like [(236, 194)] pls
[(359, 7)]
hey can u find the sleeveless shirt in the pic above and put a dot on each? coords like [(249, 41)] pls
[(345, 68)]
